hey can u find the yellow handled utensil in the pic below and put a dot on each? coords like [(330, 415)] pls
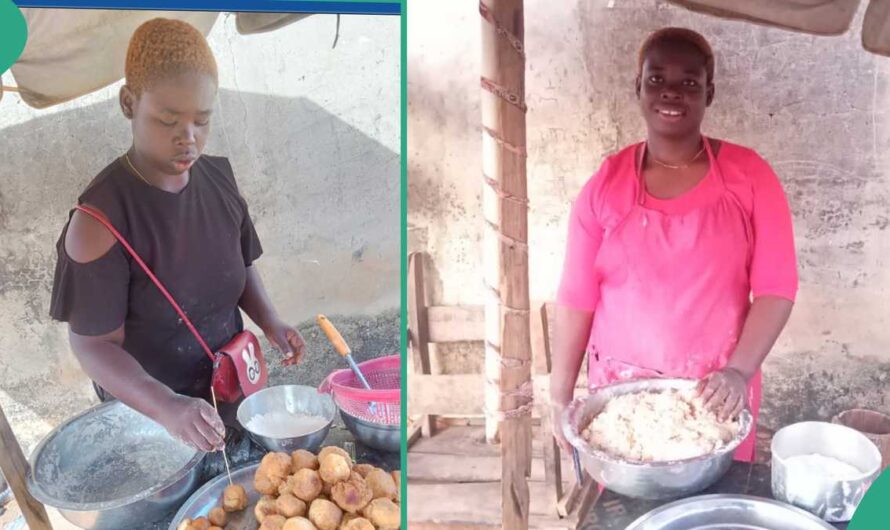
[(343, 349)]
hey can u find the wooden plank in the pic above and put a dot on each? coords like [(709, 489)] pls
[(456, 323), (459, 394), (414, 432), (473, 502), (418, 333), (465, 441), (552, 461), (15, 468), (418, 329), (545, 314), (535, 522), (539, 342), (431, 467)]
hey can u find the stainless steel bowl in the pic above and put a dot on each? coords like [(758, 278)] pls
[(291, 398), (111, 468), (375, 435), (650, 480), (813, 489), (736, 512)]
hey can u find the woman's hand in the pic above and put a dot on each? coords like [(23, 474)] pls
[(288, 341), (195, 422), (724, 392), (556, 411)]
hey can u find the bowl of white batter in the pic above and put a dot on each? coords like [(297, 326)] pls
[(647, 439), (824, 468), (288, 417)]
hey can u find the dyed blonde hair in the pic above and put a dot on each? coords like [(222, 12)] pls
[(162, 48)]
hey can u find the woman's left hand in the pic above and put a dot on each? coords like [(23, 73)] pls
[(288, 341), (724, 392)]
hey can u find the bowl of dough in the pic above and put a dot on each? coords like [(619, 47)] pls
[(652, 438)]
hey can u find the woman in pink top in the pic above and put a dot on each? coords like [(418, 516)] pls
[(680, 258)]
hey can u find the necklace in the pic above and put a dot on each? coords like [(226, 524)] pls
[(138, 174), (682, 166)]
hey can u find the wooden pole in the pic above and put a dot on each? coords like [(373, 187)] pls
[(508, 396), (15, 469)]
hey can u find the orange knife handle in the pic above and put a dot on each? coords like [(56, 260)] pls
[(333, 335)]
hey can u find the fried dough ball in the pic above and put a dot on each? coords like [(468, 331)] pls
[(285, 488), (352, 495), (273, 522), (325, 514), (234, 498), (305, 485), (397, 478), (264, 484), (218, 517), (215, 528), (334, 468), (186, 524), (363, 469), (201, 523), (383, 513), (264, 508), (302, 458), (277, 464), (274, 469), (290, 506), (333, 449), (382, 485), (299, 523), (358, 523)]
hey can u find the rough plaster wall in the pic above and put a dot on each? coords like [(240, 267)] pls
[(313, 135), (815, 107)]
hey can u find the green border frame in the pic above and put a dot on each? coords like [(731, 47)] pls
[(403, 204)]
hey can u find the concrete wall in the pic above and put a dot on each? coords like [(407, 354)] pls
[(313, 135), (815, 107)]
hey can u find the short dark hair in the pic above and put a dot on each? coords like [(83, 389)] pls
[(679, 35)]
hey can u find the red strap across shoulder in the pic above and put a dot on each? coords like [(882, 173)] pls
[(97, 215)]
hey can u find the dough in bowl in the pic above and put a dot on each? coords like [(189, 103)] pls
[(658, 426)]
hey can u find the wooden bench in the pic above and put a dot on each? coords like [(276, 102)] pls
[(434, 395)]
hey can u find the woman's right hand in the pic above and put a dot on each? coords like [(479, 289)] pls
[(194, 422)]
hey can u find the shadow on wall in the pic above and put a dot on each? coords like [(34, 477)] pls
[(323, 194)]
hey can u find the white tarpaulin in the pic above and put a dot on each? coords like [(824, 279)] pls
[(819, 17), (72, 52)]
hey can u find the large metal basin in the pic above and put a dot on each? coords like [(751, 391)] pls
[(729, 512), (111, 468), (652, 480)]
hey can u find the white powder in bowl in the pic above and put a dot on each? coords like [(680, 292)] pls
[(816, 465), (284, 424)]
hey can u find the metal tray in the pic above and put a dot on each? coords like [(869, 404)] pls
[(210, 496), (728, 512)]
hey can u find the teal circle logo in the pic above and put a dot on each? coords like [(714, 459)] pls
[(13, 34)]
